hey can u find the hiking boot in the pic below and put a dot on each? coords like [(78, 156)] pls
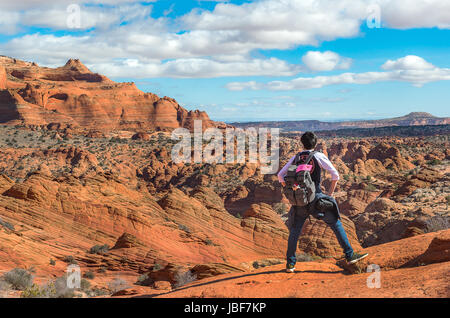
[(356, 258), (290, 268)]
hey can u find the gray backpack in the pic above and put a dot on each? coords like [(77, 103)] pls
[(300, 189)]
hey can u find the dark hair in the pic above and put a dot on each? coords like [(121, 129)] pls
[(309, 140)]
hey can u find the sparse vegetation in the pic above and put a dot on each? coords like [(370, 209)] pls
[(70, 260), (36, 291), (144, 280), (280, 208), (89, 275), (184, 228), (117, 284), (371, 187), (208, 242), (437, 223), (6, 225), (434, 162), (18, 278), (304, 257), (99, 249)]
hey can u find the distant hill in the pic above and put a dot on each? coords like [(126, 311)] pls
[(412, 119)]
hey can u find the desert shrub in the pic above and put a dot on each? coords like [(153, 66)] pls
[(98, 292), (70, 260), (52, 262), (61, 288), (434, 162), (280, 208), (36, 291), (6, 225), (437, 223), (371, 187), (85, 284), (208, 242), (156, 267), (19, 278), (99, 249), (144, 280), (117, 284), (102, 270), (184, 228), (123, 259), (304, 257), (89, 275), (183, 278), (4, 285)]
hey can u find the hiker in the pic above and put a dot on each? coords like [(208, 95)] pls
[(301, 180)]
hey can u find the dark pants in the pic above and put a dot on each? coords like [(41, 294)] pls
[(299, 216)]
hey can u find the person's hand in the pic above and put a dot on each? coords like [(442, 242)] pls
[(283, 184)]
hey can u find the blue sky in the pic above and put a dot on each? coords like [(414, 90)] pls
[(251, 60)]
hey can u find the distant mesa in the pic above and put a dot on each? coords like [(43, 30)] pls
[(72, 95), (411, 119)]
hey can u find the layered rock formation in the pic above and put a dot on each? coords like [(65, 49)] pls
[(75, 96), (413, 267)]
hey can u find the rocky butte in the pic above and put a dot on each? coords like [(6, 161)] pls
[(74, 96)]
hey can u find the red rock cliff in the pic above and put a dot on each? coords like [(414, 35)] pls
[(72, 94)]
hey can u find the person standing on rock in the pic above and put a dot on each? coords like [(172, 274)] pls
[(320, 205)]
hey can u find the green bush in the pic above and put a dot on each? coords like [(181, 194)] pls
[(434, 162), (35, 291)]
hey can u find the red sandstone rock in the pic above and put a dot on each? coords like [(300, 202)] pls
[(73, 95)]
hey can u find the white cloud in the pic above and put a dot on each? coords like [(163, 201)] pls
[(325, 61), (409, 62), (221, 41), (401, 70), (406, 14), (198, 68)]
